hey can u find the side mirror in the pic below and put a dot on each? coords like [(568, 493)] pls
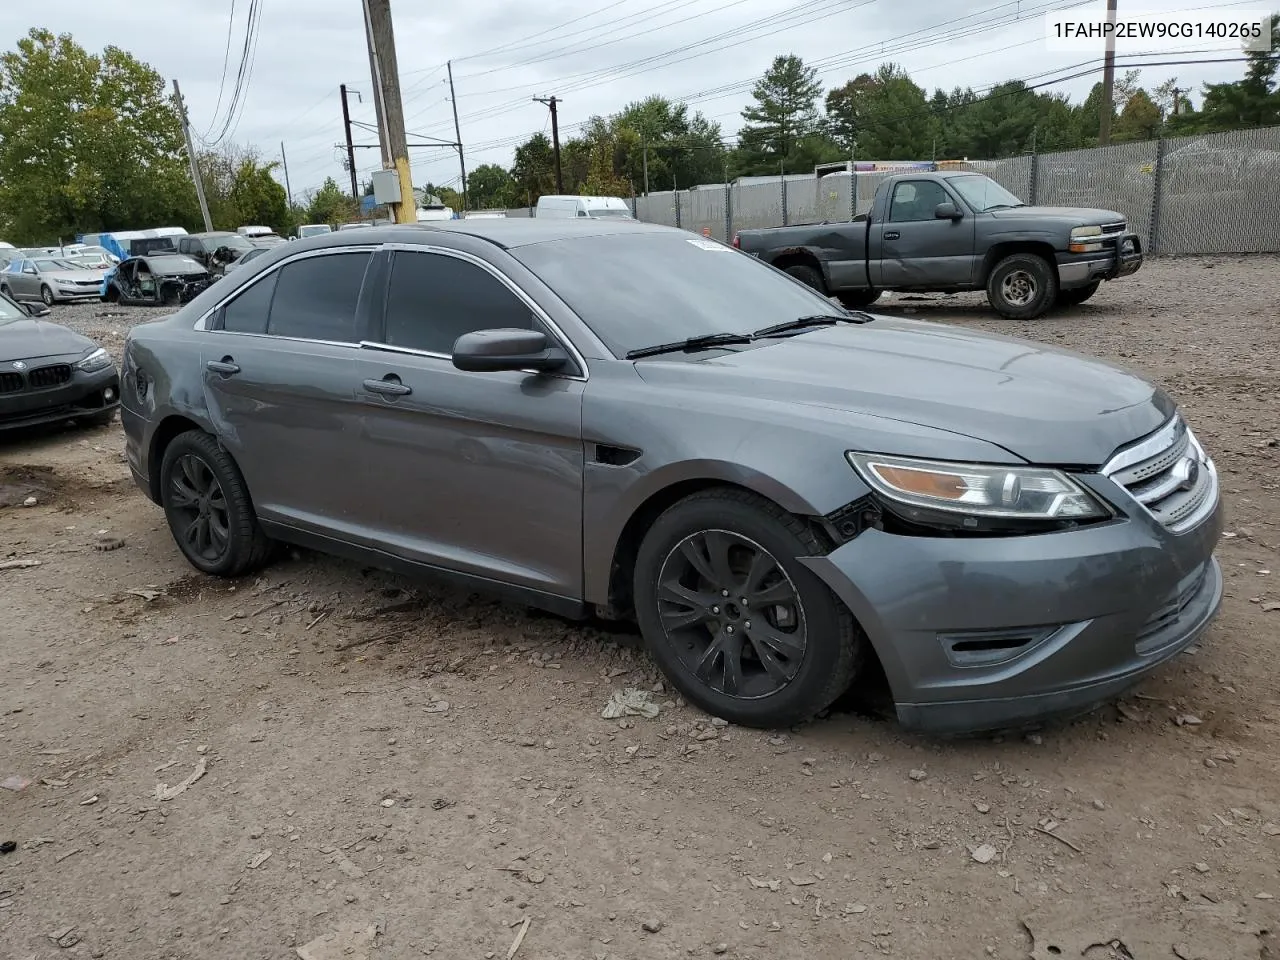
[(490, 351), (947, 211)]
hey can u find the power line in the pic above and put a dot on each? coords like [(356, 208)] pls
[(226, 58)]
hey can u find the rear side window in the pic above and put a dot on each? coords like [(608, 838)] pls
[(316, 298), (433, 299), (247, 313)]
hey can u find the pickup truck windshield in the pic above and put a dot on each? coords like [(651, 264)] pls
[(983, 194), (638, 289)]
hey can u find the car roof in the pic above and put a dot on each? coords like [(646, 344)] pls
[(505, 232)]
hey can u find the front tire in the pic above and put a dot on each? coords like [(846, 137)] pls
[(1077, 295), (734, 620), (208, 507), (809, 276), (1022, 286), (46, 295), (857, 299)]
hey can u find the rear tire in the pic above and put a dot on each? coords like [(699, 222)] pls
[(208, 507), (857, 299), (1077, 295), (809, 276), (734, 620), (1022, 286)]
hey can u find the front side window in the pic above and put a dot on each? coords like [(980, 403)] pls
[(433, 299), (916, 200), (316, 298), (248, 312)]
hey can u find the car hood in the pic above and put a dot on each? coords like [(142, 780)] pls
[(1042, 404), (73, 276), (1081, 216), (31, 339)]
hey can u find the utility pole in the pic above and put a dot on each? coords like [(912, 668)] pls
[(646, 168), (377, 103), (457, 132), (191, 156), (555, 136), (287, 188), (351, 150), (1177, 95), (387, 82), (1108, 79)]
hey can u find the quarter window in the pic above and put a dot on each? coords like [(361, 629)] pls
[(316, 297), (915, 200), (433, 299)]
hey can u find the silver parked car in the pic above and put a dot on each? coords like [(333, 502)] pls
[(622, 418), (51, 279)]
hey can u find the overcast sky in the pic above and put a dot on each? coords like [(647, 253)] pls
[(597, 55)]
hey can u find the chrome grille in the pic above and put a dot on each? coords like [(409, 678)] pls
[(1170, 475), (49, 376)]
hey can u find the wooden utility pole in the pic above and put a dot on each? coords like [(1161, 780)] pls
[(387, 84), (351, 150), (381, 120), (191, 156), (1108, 79), (457, 132), (284, 159), (555, 137)]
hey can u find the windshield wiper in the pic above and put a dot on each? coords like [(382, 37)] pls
[(708, 341), (816, 320)]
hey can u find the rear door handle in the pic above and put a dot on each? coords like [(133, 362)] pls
[(225, 366), (892, 235), (390, 387)]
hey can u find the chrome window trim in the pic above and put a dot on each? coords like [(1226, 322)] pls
[(507, 282), (202, 322)]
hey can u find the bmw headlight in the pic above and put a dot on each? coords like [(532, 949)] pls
[(978, 496), (96, 359)]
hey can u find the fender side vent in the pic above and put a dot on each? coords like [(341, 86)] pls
[(612, 456), (988, 648)]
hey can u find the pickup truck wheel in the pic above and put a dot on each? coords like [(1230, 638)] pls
[(736, 622), (1022, 286), (1077, 295), (808, 276), (856, 299)]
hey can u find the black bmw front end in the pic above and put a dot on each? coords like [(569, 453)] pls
[(51, 389)]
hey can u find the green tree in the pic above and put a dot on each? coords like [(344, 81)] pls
[(602, 179), (87, 142), (490, 187), (886, 115), (331, 204), (681, 149), (533, 170), (1139, 120), (1251, 102), (784, 113)]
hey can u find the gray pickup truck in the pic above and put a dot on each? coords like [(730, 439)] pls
[(935, 232)]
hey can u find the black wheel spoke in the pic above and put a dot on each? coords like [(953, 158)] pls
[(718, 546), (219, 531), (694, 553), (762, 565), (696, 605), (181, 496), (781, 671), (765, 635)]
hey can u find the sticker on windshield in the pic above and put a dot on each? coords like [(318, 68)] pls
[(705, 244)]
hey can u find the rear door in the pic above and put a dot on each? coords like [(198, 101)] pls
[(278, 373), (916, 249), (476, 472)]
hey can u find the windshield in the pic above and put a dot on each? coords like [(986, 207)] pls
[(9, 312), (176, 264), (44, 264), (312, 231), (232, 240), (638, 289), (982, 193)]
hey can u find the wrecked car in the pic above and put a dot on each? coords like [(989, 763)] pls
[(160, 280), (215, 250)]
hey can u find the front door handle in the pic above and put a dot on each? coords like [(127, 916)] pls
[(892, 235), (389, 386), (226, 366)]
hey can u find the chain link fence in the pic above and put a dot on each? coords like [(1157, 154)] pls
[(1192, 195)]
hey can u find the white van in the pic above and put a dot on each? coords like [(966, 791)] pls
[(434, 211), (597, 207)]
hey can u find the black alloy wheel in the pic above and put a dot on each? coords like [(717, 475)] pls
[(199, 504)]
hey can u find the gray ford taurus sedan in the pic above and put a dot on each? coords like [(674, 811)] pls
[(628, 420)]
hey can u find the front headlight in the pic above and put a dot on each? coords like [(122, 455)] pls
[(969, 496), (96, 359), (1083, 233)]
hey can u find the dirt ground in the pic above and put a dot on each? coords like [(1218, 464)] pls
[(428, 772)]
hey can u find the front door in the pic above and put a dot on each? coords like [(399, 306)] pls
[(278, 371), (913, 248), (25, 284), (476, 472)]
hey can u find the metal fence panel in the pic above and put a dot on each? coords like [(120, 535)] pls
[(757, 205), (657, 208), (1118, 177), (704, 209), (1221, 193)]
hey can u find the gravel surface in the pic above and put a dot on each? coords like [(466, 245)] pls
[(412, 771)]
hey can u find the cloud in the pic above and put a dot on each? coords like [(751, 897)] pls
[(596, 56)]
